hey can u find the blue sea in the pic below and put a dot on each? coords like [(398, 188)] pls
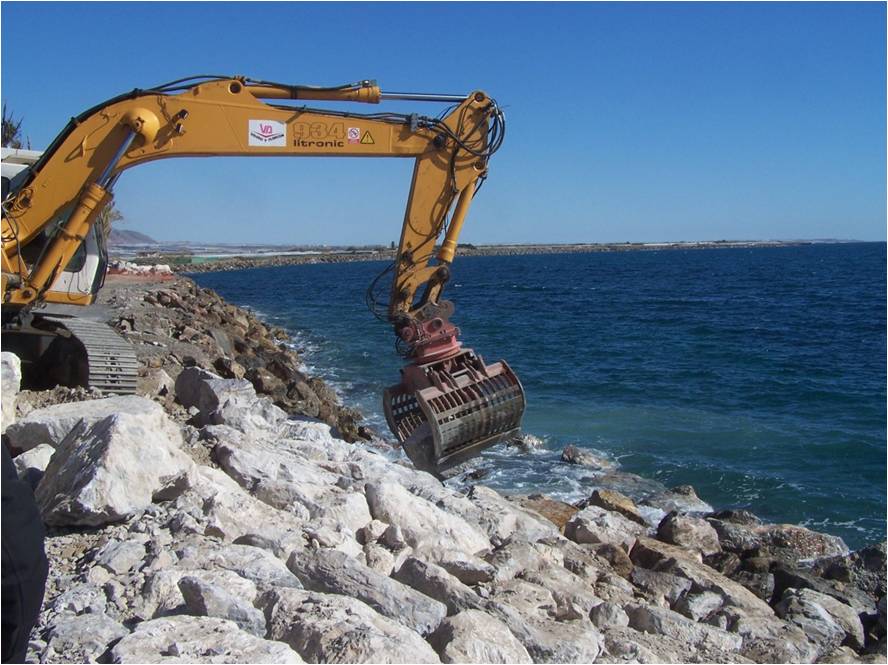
[(756, 375)]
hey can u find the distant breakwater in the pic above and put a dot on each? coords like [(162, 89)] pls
[(274, 260)]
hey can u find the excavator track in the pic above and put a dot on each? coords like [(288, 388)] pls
[(113, 367)]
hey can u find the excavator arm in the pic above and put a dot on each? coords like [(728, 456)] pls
[(48, 216)]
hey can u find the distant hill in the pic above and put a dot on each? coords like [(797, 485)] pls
[(124, 237)]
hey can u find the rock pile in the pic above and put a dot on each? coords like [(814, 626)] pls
[(182, 325), (203, 523)]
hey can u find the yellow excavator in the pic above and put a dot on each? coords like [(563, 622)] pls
[(449, 405)]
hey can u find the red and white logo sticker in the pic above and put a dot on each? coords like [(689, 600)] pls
[(354, 134), (268, 133)]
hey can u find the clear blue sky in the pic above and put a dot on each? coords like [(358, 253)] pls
[(626, 122)]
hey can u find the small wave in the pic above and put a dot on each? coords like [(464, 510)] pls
[(828, 525)]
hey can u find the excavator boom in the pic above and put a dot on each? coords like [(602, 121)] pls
[(447, 397)]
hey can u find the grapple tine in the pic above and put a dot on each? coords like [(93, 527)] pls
[(452, 409)]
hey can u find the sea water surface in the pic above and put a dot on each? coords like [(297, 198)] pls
[(756, 375)]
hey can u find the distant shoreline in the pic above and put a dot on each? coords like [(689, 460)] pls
[(190, 261)]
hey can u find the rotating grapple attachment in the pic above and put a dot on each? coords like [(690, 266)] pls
[(447, 410)]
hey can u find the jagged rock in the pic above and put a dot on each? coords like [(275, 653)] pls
[(681, 499), (846, 618), (573, 455), (609, 556), (379, 559), (550, 641), (614, 501), (81, 598), (330, 571), (326, 628), (608, 615), (736, 517), (675, 561), (31, 464), (175, 487), (475, 637), (156, 383), (789, 577), (219, 508), (767, 639), (864, 569), (761, 584), (529, 599), (514, 559), (727, 563), (661, 621), (422, 523), (371, 532), (467, 568), (189, 639), (574, 597), (659, 588), (557, 512), (581, 560), (794, 543), (801, 607), (256, 565), (739, 538), (594, 524), (841, 655), (625, 645), (162, 595), (82, 636), (10, 382), (504, 521), (231, 369), (203, 598), (120, 557), (882, 614), (437, 583), (231, 402), (648, 552), (52, 424), (99, 475), (393, 538), (283, 478), (698, 606), (689, 532)]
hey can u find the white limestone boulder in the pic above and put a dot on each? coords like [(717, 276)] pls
[(331, 571), (189, 639), (661, 621), (31, 464), (110, 471), (598, 525), (10, 382), (52, 424), (206, 598), (820, 617), (326, 628), (231, 402), (473, 636), (422, 522), (84, 636)]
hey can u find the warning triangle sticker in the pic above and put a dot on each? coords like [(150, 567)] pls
[(366, 139)]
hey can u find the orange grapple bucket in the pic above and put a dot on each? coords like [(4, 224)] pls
[(468, 406)]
